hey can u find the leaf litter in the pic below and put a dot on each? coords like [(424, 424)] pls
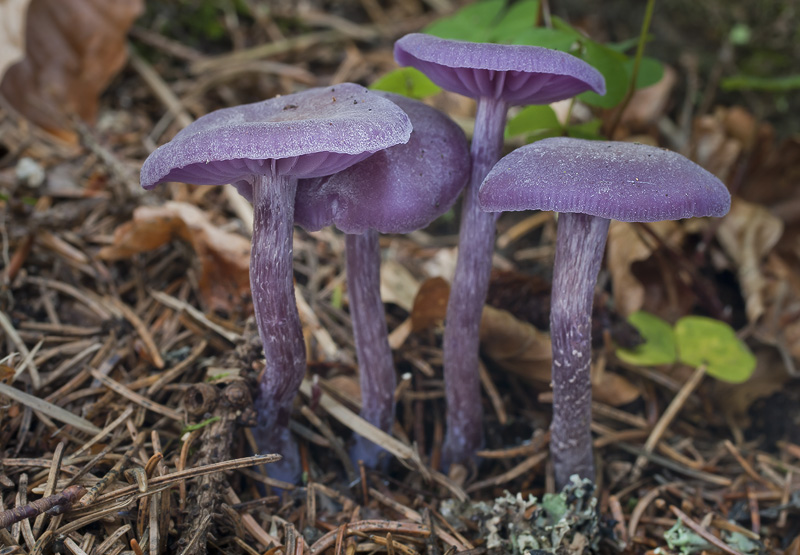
[(133, 319)]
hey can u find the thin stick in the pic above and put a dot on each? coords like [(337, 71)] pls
[(666, 419)]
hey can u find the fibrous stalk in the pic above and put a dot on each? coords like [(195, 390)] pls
[(375, 364), (579, 252), (468, 292), (271, 282)]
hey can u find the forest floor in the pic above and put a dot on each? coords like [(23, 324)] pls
[(129, 356)]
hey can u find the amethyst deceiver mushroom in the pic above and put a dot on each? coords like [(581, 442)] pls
[(268, 146), (498, 76), (591, 183), (397, 190)]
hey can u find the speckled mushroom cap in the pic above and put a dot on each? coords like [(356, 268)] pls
[(629, 182), (396, 190), (307, 134), (516, 74)]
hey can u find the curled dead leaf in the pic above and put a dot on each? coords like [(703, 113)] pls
[(12, 32), (748, 234), (430, 304), (627, 246), (224, 257), (515, 346), (72, 51)]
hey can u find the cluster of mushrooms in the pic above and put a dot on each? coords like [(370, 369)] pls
[(372, 162)]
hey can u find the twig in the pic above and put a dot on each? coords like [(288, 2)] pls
[(666, 419), (35, 508)]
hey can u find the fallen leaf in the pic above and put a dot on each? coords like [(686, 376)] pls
[(398, 286), (627, 246), (430, 304), (747, 234), (648, 104), (612, 389), (515, 346), (12, 32), (713, 147), (72, 51), (224, 257)]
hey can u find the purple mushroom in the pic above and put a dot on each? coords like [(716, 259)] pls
[(591, 183), (498, 76), (266, 147), (396, 190)]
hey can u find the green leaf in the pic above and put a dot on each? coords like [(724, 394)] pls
[(408, 82), (548, 38), (588, 130), (612, 65), (768, 84), (562, 25), (518, 18), (472, 23), (650, 71), (707, 341), (659, 346), (532, 119)]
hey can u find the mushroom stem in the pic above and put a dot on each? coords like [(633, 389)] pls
[(271, 281), (468, 293), (579, 252), (375, 364)]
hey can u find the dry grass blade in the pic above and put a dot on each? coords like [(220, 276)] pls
[(7, 327), (666, 419), (171, 479), (359, 425), (49, 409), (367, 526), (197, 315), (525, 466), (136, 398)]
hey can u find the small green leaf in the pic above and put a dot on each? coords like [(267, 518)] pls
[(520, 17), (548, 38), (199, 425), (472, 23), (532, 119), (707, 341), (659, 346), (588, 130), (769, 84), (650, 71), (408, 82), (612, 65)]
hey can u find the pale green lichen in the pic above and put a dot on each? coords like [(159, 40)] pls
[(561, 524)]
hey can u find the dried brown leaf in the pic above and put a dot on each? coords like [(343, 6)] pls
[(713, 147), (627, 246), (613, 389), (72, 51), (515, 346), (12, 32), (430, 304), (648, 104), (748, 234), (398, 286), (224, 256)]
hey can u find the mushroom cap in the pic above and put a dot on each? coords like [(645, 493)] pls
[(396, 190), (629, 182), (516, 74), (307, 134)]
